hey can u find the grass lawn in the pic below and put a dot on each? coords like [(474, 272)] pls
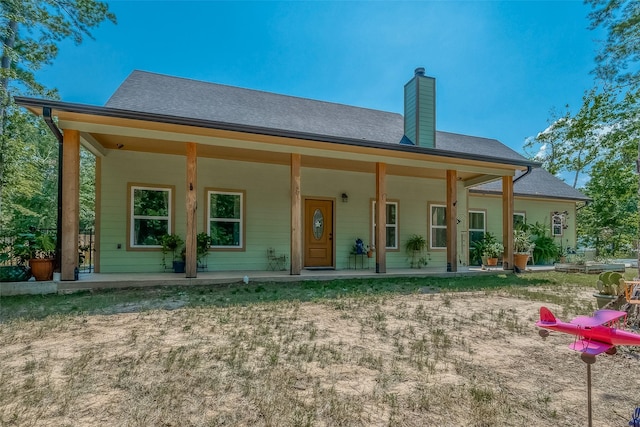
[(388, 351)]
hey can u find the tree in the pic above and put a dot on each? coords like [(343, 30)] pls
[(573, 143), (30, 31), (32, 174), (609, 223), (618, 62)]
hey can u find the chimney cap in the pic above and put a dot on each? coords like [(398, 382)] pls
[(420, 71)]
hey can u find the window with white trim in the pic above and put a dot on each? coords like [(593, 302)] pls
[(557, 224), (150, 215), (438, 227), (391, 224), (225, 213)]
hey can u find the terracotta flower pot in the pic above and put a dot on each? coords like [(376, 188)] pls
[(492, 262), (520, 261), (41, 268)]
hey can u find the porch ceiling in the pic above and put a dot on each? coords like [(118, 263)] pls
[(102, 133), (349, 162)]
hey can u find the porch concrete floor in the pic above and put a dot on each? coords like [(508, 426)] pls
[(89, 281)]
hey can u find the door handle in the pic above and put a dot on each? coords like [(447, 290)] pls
[(330, 236)]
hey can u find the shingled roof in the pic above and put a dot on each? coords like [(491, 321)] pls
[(539, 183), (174, 96)]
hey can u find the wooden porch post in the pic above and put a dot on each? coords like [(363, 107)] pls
[(381, 218), (191, 266), (507, 222), (70, 204), (452, 220), (296, 216)]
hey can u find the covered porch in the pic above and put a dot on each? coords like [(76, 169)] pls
[(194, 151), (96, 281)]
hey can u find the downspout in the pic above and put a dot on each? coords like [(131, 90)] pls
[(523, 175), (586, 203), (528, 171), (46, 114)]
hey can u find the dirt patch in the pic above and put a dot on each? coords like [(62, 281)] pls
[(415, 360)]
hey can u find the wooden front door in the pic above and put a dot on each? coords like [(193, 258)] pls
[(318, 234)]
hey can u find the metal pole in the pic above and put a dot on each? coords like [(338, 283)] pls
[(589, 393), (46, 115), (589, 360)]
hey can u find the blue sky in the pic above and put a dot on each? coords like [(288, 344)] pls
[(500, 66)]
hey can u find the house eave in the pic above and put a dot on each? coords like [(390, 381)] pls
[(33, 104), (529, 196)]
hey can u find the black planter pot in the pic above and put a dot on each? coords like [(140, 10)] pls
[(14, 273), (178, 266)]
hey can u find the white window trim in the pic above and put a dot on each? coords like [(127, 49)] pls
[(133, 217), (433, 227), (484, 221), (388, 225), (553, 225), (240, 220)]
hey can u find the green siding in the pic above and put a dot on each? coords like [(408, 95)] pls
[(420, 96), (427, 115), (535, 211), (410, 110), (118, 169), (267, 209)]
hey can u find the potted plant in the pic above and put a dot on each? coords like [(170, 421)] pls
[(522, 247), (370, 250), (492, 251), (172, 243), (38, 249), (202, 247), (11, 273), (414, 246), (477, 254), (609, 287)]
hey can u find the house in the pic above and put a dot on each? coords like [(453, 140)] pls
[(259, 170)]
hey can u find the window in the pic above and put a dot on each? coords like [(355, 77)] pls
[(476, 226), (392, 224), (557, 224), (518, 219), (225, 216), (150, 215), (438, 227)]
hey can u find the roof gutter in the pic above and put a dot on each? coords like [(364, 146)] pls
[(238, 127), (48, 119), (523, 175)]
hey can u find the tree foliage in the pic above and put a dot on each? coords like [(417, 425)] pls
[(619, 57), (609, 223), (601, 139), (618, 64), (574, 142), (30, 31)]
